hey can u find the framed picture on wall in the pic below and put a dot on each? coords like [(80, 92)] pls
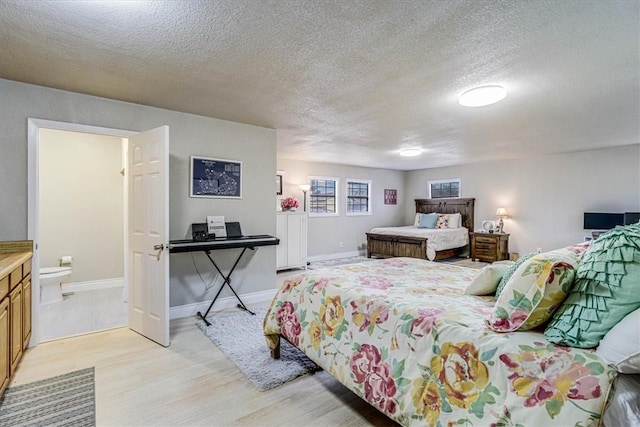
[(390, 197), (212, 177), (278, 185)]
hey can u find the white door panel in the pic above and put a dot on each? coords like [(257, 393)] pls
[(149, 228)]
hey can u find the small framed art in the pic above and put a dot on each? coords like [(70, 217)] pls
[(211, 177), (390, 197)]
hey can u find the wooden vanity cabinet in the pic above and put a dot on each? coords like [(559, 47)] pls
[(15, 306), (5, 366), (15, 320)]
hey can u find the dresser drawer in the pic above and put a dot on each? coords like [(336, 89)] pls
[(485, 240)]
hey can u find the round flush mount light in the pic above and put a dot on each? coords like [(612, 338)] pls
[(410, 152), (483, 95)]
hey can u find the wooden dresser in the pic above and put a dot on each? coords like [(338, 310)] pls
[(15, 306), (489, 247)]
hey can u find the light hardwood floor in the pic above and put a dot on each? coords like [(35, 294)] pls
[(190, 383)]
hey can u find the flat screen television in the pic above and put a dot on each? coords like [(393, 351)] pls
[(631, 217), (602, 221)]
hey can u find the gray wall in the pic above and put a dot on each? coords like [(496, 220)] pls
[(326, 233), (189, 135), (545, 196)]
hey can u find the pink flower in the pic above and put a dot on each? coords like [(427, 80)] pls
[(551, 374), (421, 325), (289, 202), (363, 361), (366, 313), (375, 282), (379, 386), (290, 327)]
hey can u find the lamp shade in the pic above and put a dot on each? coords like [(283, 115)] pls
[(501, 212), (304, 187)]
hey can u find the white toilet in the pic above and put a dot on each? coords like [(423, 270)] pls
[(51, 279)]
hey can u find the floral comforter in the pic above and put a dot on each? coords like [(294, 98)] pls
[(402, 334)]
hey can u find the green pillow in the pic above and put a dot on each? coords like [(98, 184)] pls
[(507, 274), (606, 289)]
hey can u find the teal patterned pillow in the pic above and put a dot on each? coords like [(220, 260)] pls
[(507, 274), (606, 289)]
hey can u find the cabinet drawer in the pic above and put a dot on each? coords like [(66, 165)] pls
[(15, 277), (26, 268), (4, 287)]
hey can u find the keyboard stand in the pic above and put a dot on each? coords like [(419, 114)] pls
[(248, 242), (227, 281)]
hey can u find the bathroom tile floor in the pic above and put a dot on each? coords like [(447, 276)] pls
[(83, 312)]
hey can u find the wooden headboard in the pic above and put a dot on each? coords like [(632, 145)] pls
[(446, 206)]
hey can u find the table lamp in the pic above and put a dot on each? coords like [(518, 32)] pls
[(304, 188), (502, 214)]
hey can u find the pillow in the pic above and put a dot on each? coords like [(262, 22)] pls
[(428, 220), (534, 291), (416, 220), (604, 292), (507, 275), (455, 220), (487, 280), (443, 221), (620, 347)]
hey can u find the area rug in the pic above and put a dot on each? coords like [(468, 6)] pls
[(316, 265), (65, 400), (239, 336)]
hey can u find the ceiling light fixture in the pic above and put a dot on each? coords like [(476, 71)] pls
[(410, 152), (483, 95)]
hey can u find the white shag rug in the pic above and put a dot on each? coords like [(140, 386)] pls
[(239, 336)]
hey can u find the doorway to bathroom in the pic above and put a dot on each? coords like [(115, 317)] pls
[(81, 211), (145, 216)]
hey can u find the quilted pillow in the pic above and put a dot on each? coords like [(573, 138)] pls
[(487, 280), (507, 274), (606, 289), (443, 221), (535, 290)]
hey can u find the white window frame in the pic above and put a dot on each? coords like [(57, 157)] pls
[(346, 196), (444, 181), (337, 197)]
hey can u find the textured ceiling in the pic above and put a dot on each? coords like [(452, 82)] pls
[(352, 81)]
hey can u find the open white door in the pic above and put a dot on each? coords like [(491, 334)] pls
[(148, 180)]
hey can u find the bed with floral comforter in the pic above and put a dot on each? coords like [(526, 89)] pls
[(402, 334)]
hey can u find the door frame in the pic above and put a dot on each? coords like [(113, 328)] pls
[(33, 209)]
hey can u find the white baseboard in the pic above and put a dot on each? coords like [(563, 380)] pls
[(221, 304), (92, 285), (338, 255)]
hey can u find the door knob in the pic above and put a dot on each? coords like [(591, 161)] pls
[(158, 248)]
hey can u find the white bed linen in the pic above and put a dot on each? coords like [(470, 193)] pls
[(438, 239), (623, 408)]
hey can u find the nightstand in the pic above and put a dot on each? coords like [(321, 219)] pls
[(489, 247)]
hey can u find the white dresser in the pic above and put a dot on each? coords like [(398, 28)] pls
[(291, 229)]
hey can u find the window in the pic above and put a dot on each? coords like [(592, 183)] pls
[(358, 197), (443, 188), (323, 198)]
